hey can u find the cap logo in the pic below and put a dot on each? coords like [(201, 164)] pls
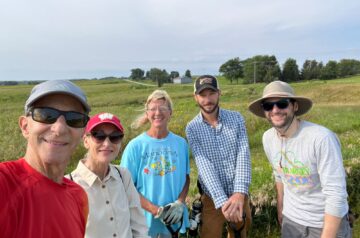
[(205, 80), (105, 116)]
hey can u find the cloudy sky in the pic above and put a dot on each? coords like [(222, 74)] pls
[(65, 39)]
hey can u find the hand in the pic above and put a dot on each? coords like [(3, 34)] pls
[(161, 213), (233, 208), (174, 213)]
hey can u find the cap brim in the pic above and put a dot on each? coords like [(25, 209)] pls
[(304, 104), (104, 122), (57, 87), (34, 99), (206, 86)]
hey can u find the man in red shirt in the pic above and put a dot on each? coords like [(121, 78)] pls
[(35, 198)]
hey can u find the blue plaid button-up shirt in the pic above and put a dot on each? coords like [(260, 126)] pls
[(221, 154)]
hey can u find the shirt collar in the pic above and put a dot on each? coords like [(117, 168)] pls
[(220, 116), (89, 177)]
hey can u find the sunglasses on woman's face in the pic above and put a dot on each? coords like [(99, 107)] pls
[(50, 115), (281, 104), (99, 136)]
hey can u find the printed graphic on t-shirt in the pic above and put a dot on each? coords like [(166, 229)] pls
[(160, 161), (293, 171)]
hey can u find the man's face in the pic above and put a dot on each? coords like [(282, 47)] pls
[(52, 144), (280, 118), (208, 100)]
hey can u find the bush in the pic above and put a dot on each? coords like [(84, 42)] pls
[(353, 189)]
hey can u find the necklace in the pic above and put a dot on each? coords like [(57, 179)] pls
[(283, 139)]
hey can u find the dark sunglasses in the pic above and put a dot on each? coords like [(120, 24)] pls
[(99, 136), (50, 115), (281, 104)]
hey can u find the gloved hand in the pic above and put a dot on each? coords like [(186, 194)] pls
[(174, 212), (162, 212)]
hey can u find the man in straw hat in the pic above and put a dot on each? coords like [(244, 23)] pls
[(307, 164)]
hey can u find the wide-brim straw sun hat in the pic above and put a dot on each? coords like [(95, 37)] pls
[(280, 89)]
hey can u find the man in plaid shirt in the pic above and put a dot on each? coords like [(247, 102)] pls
[(219, 143)]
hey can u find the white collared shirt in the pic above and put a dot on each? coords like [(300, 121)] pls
[(114, 204)]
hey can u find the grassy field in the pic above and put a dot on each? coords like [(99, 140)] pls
[(336, 106)]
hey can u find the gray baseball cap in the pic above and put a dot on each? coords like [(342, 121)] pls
[(56, 86)]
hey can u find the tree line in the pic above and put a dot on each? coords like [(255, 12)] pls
[(260, 68), (265, 68), (157, 75)]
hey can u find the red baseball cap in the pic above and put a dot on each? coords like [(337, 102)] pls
[(102, 118)]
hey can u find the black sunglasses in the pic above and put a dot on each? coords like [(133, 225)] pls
[(50, 115), (99, 136), (281, 104)]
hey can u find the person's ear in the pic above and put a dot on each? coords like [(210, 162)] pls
[(24, 126), (296, 106), (195, 97), (86, 139)]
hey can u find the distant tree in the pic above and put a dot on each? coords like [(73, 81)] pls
[(188, 73), (348, 67), (290, 71), (311, 69), (261, 68), (232, 69), (9, 83), (166, 77), (158, 75), (319, 69), (306, 70), (249, 69), (174, 74), (329, 71), (137, 73)]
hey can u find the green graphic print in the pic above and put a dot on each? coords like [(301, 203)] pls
[(293, 170)]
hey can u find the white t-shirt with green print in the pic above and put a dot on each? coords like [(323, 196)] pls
[(310, 166)]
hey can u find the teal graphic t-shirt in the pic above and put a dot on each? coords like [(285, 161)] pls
[(158, 168)]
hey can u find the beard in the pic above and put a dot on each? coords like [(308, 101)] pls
[(211, 110), (283, 125)]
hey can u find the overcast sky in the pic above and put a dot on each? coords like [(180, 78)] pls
[(65, 39)]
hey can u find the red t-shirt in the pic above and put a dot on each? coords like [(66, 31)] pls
[(32, 205)]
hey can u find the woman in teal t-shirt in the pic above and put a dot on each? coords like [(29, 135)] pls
[(158, 161)]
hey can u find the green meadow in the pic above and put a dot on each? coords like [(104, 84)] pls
[(336, 106)]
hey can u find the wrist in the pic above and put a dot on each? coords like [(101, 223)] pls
[(158, 211), (239, 196), (180, 201)]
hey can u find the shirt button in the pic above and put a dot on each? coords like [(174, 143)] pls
[(111, 218), (103, 186), (107, 202)]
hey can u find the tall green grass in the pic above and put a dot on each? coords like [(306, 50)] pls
[(336, 106)]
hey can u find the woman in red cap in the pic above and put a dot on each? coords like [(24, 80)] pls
[(114, 204)]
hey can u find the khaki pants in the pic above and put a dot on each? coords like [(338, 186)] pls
[(213, 220)]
